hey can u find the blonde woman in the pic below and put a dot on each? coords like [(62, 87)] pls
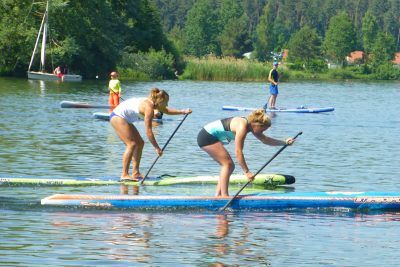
[(213, 136), (130, 111)]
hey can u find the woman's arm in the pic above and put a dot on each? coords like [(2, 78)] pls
[(172, 111), (272, 141), (148, 119), (240, 136)]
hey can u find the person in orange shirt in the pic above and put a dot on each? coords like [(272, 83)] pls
[(115, 90)]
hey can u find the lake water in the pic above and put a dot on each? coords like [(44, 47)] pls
[(354, 148)]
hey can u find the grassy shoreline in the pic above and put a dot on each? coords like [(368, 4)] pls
[(245, 70), (224, 69), (231, 69)]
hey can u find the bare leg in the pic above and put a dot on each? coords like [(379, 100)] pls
[(137, 156), (272, 101), (218, 152), (134, 144)]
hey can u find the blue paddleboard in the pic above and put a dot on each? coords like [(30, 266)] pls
[(288, 110)]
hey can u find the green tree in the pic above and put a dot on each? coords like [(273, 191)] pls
[(234, 37), (391, 21), (369, 31), (173, 13), (253, 9), (340, 38), (383, 49), (17, 35), (281, 36), (234, 24), (264, 43), (305, 45), (139, 25), (177, 37), (83, 36), (201, 29)]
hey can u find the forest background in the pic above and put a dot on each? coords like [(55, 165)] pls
[(205, 39)]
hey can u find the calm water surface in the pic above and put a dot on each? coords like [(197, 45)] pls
[(354, 148)]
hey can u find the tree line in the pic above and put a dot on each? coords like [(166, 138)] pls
[(96, 36)]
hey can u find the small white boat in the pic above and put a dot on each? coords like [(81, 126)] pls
[(38, 75), (41, 74)]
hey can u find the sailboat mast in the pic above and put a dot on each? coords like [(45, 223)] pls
[(44, 40), (42, 25)]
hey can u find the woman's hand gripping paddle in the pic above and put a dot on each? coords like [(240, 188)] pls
[(248, 182), (165, 145)]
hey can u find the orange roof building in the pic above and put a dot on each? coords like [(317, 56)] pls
[(396, 59), (356, 57)]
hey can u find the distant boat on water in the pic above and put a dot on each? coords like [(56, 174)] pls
[(41, 74)]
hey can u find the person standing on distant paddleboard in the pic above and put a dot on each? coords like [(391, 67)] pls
[(273, 78), (114, 86), (130, 111), (213, 136)]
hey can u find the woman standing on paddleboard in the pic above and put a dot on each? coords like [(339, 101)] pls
[(130, 111), (273, 78), (215, 134)]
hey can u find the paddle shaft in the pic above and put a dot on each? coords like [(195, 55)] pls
[(165, 145), (249, 181)]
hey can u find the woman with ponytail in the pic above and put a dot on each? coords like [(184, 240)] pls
[(130, 111), (215, 134)]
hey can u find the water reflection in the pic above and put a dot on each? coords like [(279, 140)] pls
[(222, 230), (155, 238), (125, 237), (130, 237), (127, 190), (42, 85)]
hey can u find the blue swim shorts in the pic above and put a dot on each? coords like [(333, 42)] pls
[(273, 89)]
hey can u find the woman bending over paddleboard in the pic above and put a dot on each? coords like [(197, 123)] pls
[(128, 112), (212, 137)]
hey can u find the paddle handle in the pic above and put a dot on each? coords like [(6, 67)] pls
[(165, 145), (249, 181)]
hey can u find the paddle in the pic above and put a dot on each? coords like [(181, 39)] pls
[(165, 145), (248, 182)]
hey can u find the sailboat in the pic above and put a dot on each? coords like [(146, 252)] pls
[(42, 74)]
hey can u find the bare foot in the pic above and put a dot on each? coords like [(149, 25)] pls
[(128, 178), (137, 175)]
